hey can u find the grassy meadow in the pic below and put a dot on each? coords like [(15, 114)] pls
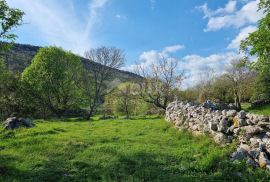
[(148, 149), (262, 110)]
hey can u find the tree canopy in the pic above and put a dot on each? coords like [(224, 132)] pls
[(258, 44), (9, 19), (53, 79)]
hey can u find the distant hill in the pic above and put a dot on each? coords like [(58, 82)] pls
[(21, 55)]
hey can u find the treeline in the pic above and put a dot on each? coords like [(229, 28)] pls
[(244, 81), (57, 84), (236, 86)]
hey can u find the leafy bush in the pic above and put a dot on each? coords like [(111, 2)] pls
[(125, 100), (53, 81)]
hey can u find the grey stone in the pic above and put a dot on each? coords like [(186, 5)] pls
[(240, 154), (263, 160), (213, 126), (249, 116), (231, 113), (244, 147), (194, 127), (14, 122), (220, 138), (254, 153), (263, 123), (236, 131), (263, 118), (249, 122), (223, 125), (252, 162), (254, 142), (262, 146), (252, 130), (242, 122), (242, 115)]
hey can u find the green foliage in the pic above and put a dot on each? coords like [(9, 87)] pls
[(257, 43), (125, 100), (116, 150), (222, 91), (8, 92), (53, 80), (262, 110), (9, 19)]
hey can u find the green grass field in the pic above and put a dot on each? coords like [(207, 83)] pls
[(116, 150), (263, 110)]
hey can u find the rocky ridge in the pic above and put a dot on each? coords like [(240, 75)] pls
[(250, 131)]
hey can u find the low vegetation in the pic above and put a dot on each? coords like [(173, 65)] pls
[(147, 149), (262, 110), (51, 82)]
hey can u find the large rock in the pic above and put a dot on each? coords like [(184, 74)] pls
[(14, 122), (263, 123), (252, 130), (240, 154), (220, 138), (263, 160), (231, 113), (263, 118), (242, 115), (213, 126), (254, 153), (223, 125)]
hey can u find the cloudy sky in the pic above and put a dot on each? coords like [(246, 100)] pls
[(201, 34)]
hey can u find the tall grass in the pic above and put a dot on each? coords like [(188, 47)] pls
[(115, 150)]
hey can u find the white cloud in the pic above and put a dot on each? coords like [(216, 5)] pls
[(57, 22), (173, 48), (230, 7), (147, 58), (235, 43), (120, 17), (228, 17), (195, 66), (153, 4)]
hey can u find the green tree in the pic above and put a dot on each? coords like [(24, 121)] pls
[(53, 80), (123, 99), (9, 19), (258, 44), (8, 87)]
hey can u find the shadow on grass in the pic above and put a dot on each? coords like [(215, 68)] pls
[(49, 132), (140, 166)]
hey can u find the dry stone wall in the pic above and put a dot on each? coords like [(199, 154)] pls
[(250, 131)]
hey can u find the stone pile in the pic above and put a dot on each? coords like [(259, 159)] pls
[(14, 122), (250, 131)]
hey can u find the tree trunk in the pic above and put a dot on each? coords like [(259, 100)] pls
[(91, 112), (237, 101)]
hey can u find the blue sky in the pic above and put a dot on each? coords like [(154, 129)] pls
[(202, 35)]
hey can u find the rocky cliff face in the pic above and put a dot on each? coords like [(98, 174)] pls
[(250, 131)]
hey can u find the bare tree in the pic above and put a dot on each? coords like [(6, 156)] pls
[(107, 59), (159, 81), (206, 79), (239, 75)]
